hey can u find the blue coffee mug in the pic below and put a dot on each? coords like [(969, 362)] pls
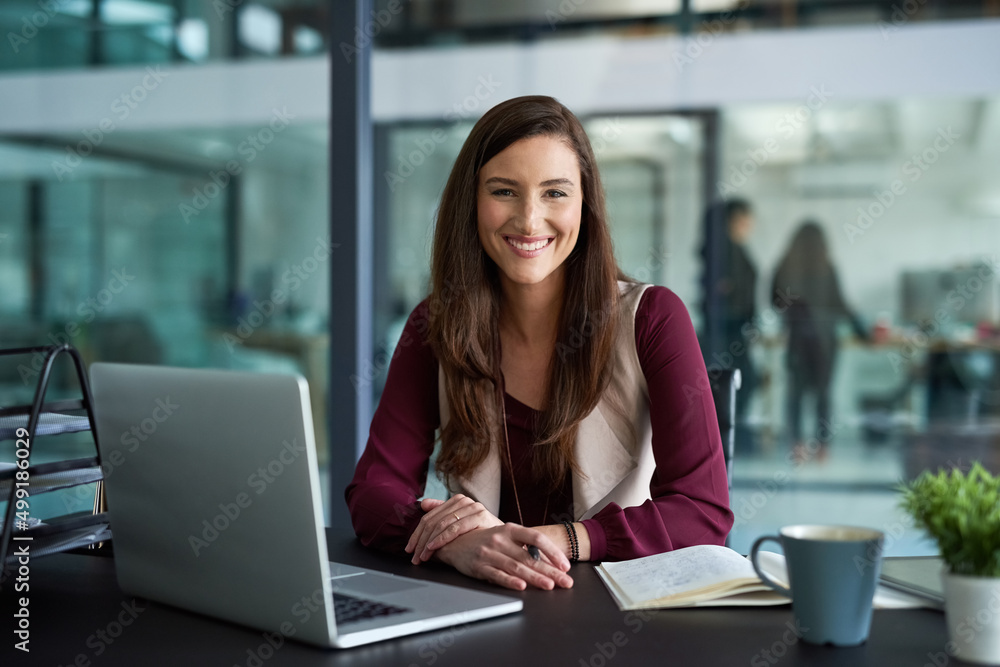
[(832, 573)]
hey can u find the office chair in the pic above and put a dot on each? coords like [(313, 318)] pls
[(725, 383)]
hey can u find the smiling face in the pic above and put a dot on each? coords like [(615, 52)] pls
[(530, 201)]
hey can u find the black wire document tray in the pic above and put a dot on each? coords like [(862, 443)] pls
[(27, 476), (53, 476), (49, 423), (62, 534)]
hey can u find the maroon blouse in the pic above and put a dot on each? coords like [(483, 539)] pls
[(689, 488)]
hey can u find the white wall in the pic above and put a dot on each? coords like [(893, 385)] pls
[(163, 97)]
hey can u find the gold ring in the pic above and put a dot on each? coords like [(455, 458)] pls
[(456, 517)]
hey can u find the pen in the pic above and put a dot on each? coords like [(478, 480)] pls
[(534, 552)]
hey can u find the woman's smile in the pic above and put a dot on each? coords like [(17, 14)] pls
[(528, 247)]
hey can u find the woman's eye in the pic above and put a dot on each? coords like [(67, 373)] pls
[(503, 192), (555, 193)]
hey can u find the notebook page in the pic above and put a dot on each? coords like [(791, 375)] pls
[(673, 572)]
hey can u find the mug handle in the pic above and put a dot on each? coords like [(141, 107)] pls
[(787, 592)]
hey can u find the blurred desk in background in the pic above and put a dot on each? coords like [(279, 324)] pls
[(963, 382), (952, 447)]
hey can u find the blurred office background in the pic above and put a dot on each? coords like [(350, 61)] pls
[(164, 194)]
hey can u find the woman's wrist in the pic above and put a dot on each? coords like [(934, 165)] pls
[(582, 540), (574, 542), (558, 534)]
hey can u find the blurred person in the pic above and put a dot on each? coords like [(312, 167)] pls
[(561, 387), (731, 288), (806, 290)]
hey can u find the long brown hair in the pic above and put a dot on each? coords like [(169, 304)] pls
[(465, 302), (807, 253)]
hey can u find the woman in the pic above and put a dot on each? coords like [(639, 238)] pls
[(807, 291), (568, 399)]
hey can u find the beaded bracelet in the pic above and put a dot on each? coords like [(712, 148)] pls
[(574, 545)]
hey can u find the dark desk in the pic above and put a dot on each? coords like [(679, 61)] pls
[(74, 597)]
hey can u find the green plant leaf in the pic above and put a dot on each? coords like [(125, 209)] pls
[(961, 512)]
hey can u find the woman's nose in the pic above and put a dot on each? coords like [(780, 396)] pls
[(531, 216)]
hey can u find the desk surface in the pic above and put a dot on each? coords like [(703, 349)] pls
[(76, 606)]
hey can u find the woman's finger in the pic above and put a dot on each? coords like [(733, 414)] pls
[(434, 522), (428, 505), (468, 517), (529, 536), (537, 573), (452, 530), (501, 578)]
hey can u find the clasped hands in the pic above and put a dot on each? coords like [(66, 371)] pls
[(464, 534)]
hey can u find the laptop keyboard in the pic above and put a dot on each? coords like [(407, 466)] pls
[(347, 608)]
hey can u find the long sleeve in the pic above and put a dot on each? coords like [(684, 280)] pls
[(390, 476), (741, 306), (780, 289), (838, 298), (689, 490)]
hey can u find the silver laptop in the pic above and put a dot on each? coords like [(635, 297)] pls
[(916, 575), (214, 495)]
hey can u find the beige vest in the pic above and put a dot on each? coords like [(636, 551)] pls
[(616, 465)]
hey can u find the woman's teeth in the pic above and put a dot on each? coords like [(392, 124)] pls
[(529, 246)]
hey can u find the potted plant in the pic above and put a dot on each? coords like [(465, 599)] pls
[(962, 513)]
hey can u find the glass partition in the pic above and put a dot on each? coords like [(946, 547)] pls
[(147, 258), (898, 372)]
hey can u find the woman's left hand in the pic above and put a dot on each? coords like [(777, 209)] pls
[(444, 521)]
